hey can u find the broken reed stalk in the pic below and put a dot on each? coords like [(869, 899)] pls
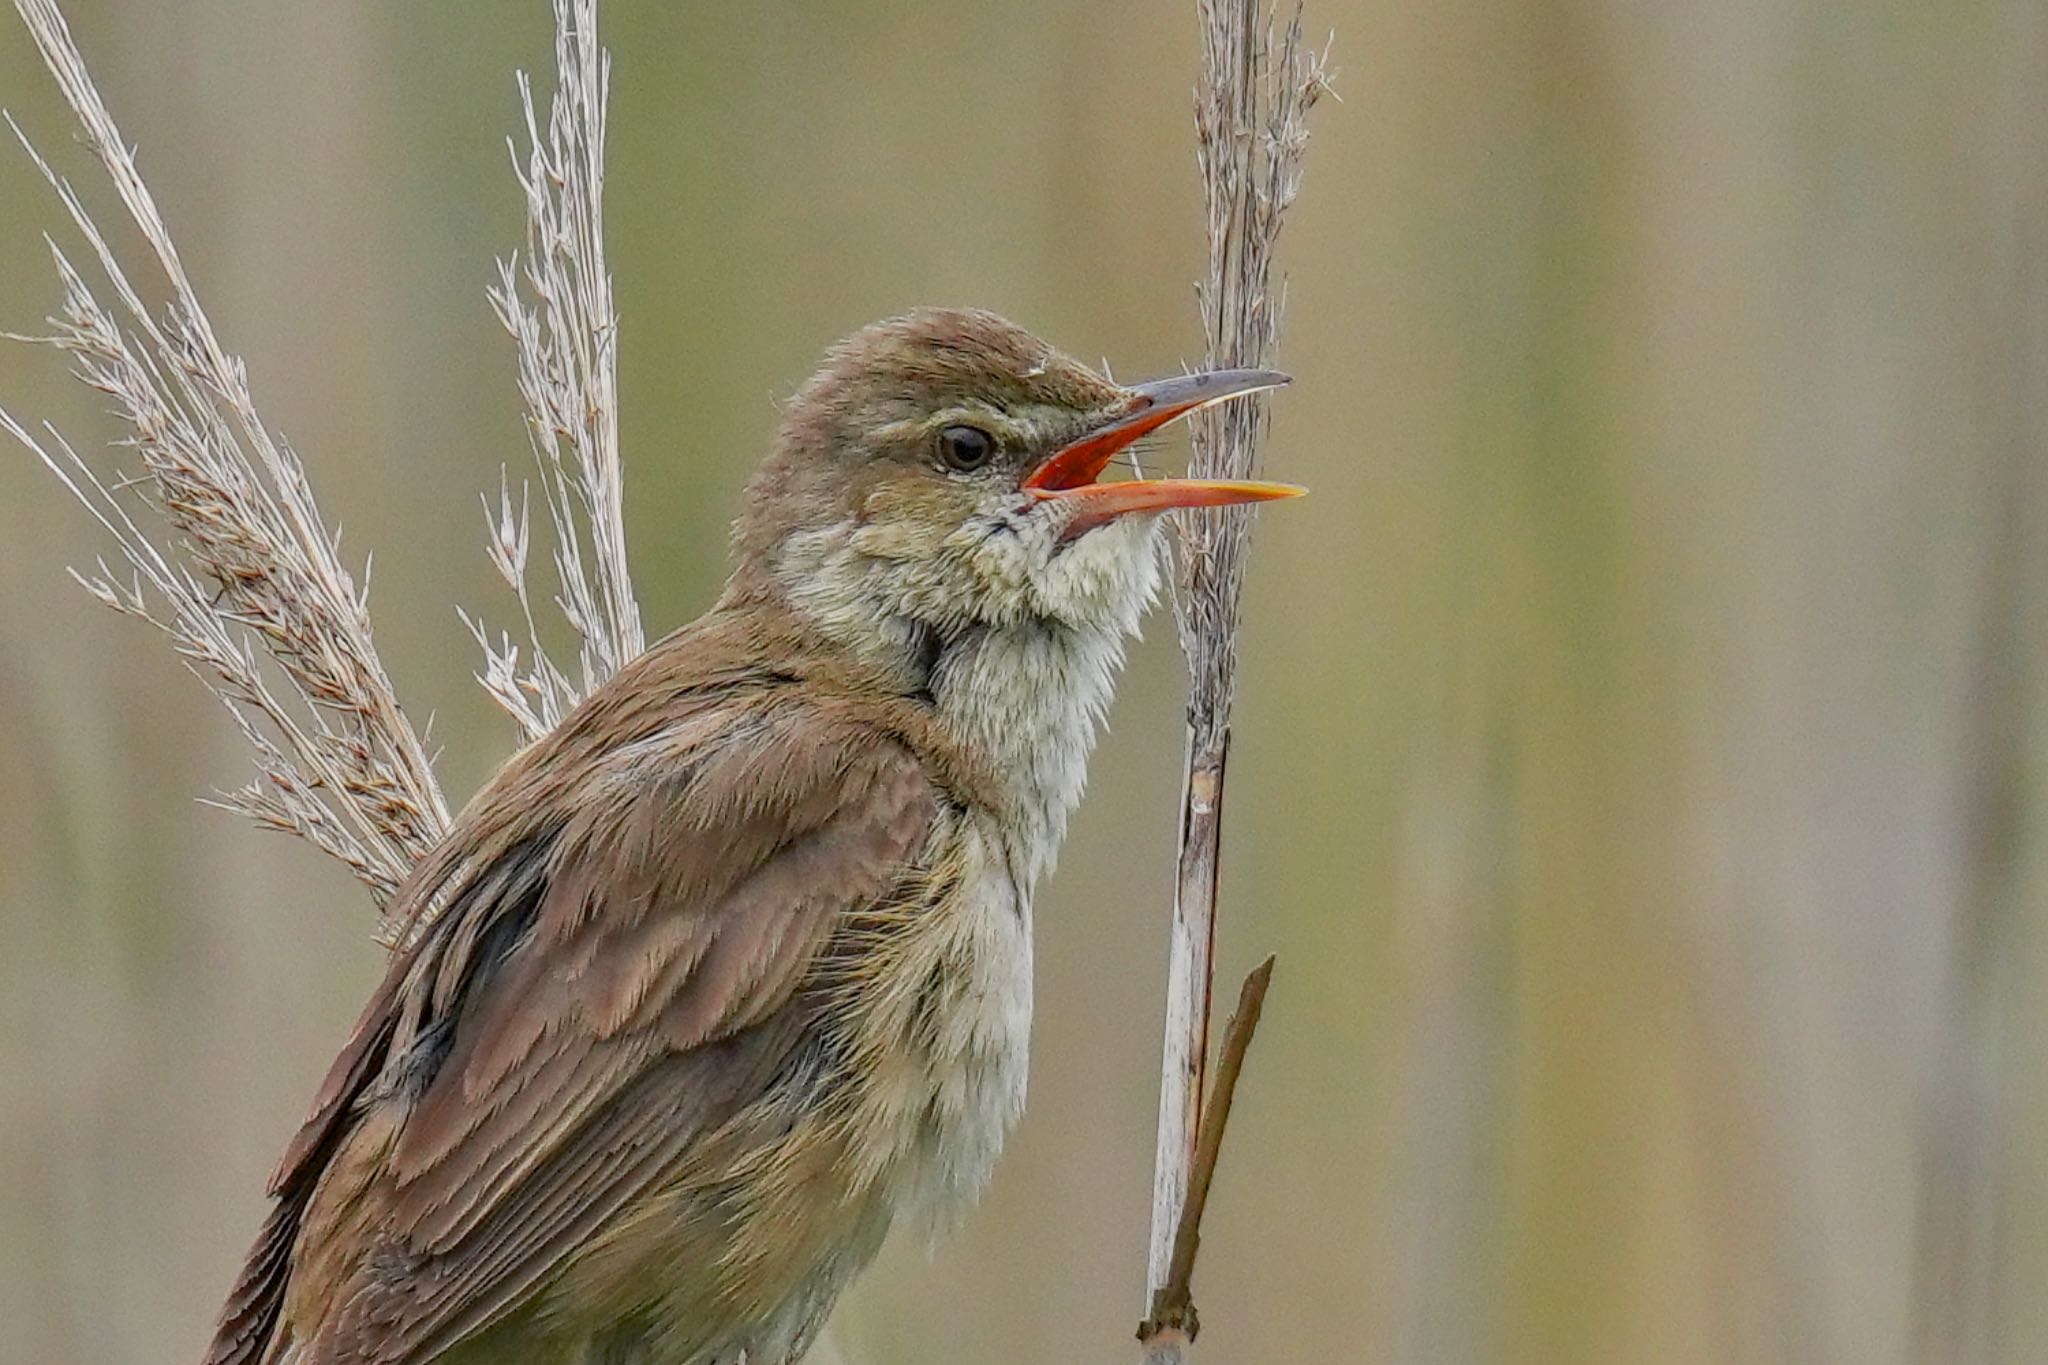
[(1173, 1323), (1251, 130), (221, 544)]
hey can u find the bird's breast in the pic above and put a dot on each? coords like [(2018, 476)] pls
[(952, 1005), (944, 1038)]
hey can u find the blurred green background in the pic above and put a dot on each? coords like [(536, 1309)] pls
[(1640, 764)]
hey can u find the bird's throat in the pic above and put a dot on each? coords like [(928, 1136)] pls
[(1019, 668), (1028, 703)]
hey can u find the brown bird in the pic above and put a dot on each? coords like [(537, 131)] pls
[(715, 982)]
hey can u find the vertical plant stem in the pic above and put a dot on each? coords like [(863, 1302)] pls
[(1189, 984), (1251, 109)]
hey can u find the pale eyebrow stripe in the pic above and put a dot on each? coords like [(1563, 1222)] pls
[(1001, 421)]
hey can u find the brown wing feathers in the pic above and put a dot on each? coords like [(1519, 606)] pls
[(570, 1024)]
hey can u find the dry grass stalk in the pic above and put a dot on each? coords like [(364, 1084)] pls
[(557, 304), (1251, 111), (248, 572)]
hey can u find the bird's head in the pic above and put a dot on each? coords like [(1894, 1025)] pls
[(943, 468)]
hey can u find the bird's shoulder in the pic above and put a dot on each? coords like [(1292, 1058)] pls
[(733, 675)]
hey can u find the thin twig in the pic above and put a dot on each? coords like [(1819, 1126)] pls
[(1173, 1322), (243, 576), (1251, 111), (556, 302)]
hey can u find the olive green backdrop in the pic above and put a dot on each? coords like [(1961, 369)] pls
[(1640, 765)]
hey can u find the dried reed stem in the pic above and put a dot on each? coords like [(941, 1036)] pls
[(244, 576), (1251, 129), (556, 303)]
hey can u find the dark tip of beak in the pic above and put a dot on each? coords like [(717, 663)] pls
[(1153, 405), (1188, 392)]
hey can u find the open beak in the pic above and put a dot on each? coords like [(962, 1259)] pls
[(1070, 473)]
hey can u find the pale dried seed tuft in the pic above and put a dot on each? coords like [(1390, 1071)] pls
[(555, 301), (247, 561), (246, 579)]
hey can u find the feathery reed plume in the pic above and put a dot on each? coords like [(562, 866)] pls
[(245, 568), (1251, 129), (557, 305)]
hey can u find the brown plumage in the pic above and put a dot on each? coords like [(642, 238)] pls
[(716, 980)]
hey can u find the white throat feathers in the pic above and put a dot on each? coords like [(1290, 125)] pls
[(1016, 636)]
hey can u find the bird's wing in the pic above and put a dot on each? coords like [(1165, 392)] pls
[(602, 997)]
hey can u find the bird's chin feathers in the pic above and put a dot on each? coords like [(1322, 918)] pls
[(1005, 568)]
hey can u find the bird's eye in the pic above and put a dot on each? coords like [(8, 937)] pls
[(965, 448)]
